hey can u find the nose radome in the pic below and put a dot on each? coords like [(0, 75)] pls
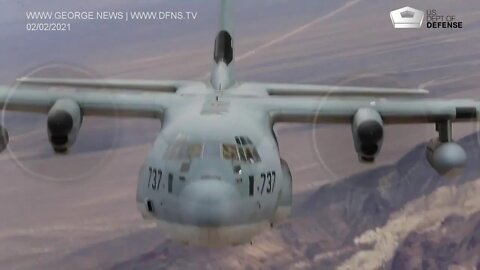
[(209, 191), (208, 202)]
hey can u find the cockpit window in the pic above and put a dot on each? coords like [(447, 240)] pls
[(211, 150), (184, 150), (251, 154), (230, 152), (242, 139), (248, 154), (246, 151), (242, 150)]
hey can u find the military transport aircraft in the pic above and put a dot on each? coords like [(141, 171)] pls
[(214, 176)]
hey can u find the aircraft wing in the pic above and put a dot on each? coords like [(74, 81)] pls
[(367, 117), (145, 85), (278, 89), (99, 103), (342, 110)]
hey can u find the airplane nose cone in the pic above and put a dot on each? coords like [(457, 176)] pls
[(209, 203)]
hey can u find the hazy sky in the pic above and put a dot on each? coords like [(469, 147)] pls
[(112, 48), (90, 42)]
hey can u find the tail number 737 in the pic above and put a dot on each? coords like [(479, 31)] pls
[(267, 184)]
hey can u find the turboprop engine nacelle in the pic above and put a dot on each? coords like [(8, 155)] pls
[(4, 139), (367, 131), (64, 121), (447, 158)]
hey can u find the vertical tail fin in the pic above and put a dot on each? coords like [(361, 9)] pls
[(226, 16), (222, 73)]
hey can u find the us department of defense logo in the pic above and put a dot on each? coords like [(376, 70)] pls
[(407, 17)]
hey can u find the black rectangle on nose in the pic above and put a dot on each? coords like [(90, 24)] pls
[(170, 183), (251, 183)]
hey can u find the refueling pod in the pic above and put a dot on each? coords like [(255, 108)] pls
[(447, 158), (367, 131), (64, 120)]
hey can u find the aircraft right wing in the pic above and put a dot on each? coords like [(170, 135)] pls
[(97, 103), (145, 85), (66, 108)]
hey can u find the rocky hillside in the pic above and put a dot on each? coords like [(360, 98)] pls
[(455, 243)]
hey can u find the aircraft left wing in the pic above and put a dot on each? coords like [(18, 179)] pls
[(342, 110), (367, 117), (279, 89), (99, 103)]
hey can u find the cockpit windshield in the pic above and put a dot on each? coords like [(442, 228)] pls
[(241, 149), (182, 150), (230, 152), (246, 151), (211, 150)]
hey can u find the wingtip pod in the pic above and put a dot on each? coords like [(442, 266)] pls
[(46, 81), (26, 80), (423, 91), (39, 80)]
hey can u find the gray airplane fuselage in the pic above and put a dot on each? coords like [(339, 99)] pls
[(214, 176)]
